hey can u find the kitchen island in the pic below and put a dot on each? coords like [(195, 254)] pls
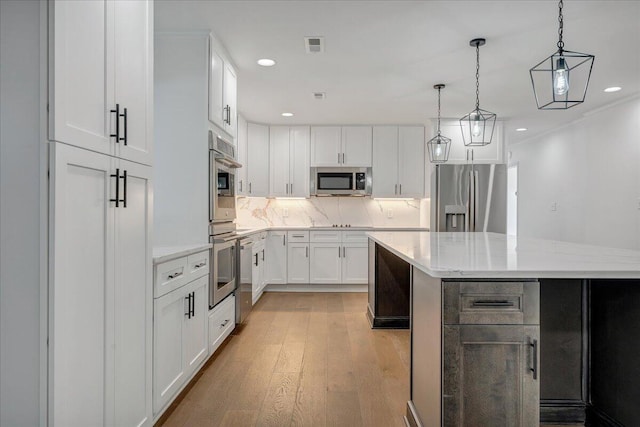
[(517, 331)]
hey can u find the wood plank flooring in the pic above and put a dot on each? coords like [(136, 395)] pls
[(303, 359)]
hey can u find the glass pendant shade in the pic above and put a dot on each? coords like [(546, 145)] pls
[(439, 145), (477, 127), (560, 81), (439, 148)]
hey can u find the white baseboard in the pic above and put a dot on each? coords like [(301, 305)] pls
[(316, 288)]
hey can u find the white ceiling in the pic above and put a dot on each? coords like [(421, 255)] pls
[(382, 58)]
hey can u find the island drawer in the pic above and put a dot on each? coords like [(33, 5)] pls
[(491, 303)]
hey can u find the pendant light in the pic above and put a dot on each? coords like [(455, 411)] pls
[(568, 72), (477, 126), (439, 145)]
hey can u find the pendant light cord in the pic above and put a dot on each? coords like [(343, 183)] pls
[(438, 111), (560, 26), (478, 76)]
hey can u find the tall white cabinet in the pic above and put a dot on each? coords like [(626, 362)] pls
[(289, 161), (223, 110), (398, 161), (100, 293), (100, 285), (257, 160)]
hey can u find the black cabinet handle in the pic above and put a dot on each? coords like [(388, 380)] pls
[(117, 177), (124, 181), (493, 303), (534, 357), (188, 313), (173, 276), (193, 304), (256, 255), (263, 254), (117, 113), (125, 126)]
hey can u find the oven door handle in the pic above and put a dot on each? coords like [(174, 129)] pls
[(225, 160)]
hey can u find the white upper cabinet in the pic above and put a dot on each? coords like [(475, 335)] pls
[(411, 161), (223, 92), (326, 146), (101, 76), (459, 153), (216, 76), (241, 153), (257, 160), (398, 161), (356, 146), (289, 161), (341, 146), (385, 161)]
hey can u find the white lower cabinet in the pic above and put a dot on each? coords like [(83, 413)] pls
[(276, 259), (180, 339), (222, 321), (100, 290), (325, 263), (298, 263), (355, 263), (257, 270)]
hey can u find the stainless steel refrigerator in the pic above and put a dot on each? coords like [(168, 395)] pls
[(469, 198)]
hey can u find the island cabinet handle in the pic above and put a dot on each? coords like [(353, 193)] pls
[(174, 275), (534, 357), (493, 303)]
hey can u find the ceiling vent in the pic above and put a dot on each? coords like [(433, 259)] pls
[(314, 44), (319, 95)]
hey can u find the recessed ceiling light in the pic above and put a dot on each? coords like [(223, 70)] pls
[(266, 62), (521, 129), (613, 89), (287, 114)]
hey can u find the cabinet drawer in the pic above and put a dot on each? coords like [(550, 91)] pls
[(170, 275), (491, 303), (325, 236), (222, 320), (355, 236), (198, 264), (298, 236)]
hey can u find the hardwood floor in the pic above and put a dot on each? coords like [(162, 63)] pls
[(303, 359)]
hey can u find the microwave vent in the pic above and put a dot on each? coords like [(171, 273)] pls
[(314, 44)]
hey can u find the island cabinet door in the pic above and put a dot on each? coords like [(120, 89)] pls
[(490, 376)]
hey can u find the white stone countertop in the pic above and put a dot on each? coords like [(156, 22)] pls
[(166, 253), (493, 255), (248, 231)]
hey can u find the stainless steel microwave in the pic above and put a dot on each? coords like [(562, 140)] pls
[(341, 181)]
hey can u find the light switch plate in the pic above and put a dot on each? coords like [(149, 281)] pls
[(389, 213)]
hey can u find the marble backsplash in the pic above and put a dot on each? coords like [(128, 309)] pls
[(326, 211)]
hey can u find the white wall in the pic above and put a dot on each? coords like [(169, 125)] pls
[(591, 170), (20, 213)]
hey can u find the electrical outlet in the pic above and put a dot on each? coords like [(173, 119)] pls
[(389, 213), (285, 212), (554, 207), (639, 203)]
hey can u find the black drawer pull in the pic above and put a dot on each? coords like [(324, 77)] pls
[(493, 303), (534, 355)]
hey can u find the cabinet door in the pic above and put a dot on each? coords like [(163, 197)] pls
[(216, 73), (230, 95), (276, 257), (195, 340), (298, 257), (487, 376), (411, 161), (325, 262), (256, 279), (169, 316), (133, 299), (299, 142), (81, 287), (241, 147), (133, 77), (81, 80), (451, 129), (356, 146), (385, 161), (355, 263), (257, 160), (279, 161), (326, 146), (492, 153)]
